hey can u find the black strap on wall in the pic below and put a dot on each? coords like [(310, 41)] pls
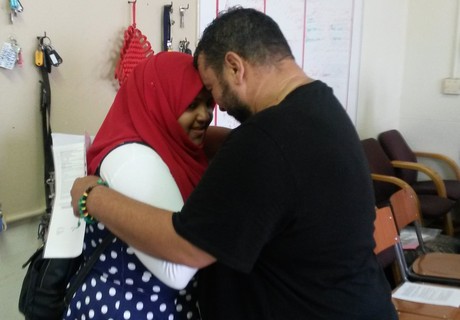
[(167, 27), (45, 109), (46, 58)]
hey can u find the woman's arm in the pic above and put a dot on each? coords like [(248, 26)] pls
[(138, 172)]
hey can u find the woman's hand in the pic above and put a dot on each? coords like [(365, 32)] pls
[(78, 188)]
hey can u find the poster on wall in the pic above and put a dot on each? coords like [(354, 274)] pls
[(324, 35)]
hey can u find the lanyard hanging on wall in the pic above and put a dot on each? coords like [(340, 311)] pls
[(167, 23), (15, 7)]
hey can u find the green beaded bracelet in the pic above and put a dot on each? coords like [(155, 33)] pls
[(83, 210)]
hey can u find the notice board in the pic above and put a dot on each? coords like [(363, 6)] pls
[(324, 35)]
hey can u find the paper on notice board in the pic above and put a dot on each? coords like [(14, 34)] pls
[(66, 232)]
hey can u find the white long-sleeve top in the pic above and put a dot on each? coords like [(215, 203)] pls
[(137, 171)]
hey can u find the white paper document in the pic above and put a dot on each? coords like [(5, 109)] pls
[(66, 232), (431, 294)]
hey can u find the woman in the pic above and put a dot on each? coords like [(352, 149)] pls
[(150, 147)]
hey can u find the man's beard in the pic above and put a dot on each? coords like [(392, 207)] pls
[(232, 103)]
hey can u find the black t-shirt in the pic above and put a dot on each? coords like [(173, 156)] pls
[(287, 208)]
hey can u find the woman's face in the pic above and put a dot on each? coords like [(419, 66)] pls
[(197, 117)]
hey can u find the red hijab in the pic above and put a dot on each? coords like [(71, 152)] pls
[(146, 109)]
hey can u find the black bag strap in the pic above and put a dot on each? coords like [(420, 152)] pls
[(86, 268)]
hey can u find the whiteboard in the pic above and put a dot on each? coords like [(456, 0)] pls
[(324, 35)]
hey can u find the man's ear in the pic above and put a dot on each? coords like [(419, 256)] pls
[(235, 65)]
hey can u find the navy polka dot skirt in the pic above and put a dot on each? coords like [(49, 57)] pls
[(120, 287)]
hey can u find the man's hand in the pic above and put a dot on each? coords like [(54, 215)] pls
[(78, 188), (135, 223)]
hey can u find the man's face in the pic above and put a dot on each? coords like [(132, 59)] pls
[(224, 95)]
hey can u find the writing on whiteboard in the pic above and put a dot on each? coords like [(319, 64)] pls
[(324, 36)]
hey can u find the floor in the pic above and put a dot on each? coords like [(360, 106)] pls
[(17, 243)]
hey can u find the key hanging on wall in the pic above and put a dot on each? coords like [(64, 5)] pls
[(45, 55), (51, 54), (15, 8), (183, 46), (10, 54), (182, 13), (39, 56)]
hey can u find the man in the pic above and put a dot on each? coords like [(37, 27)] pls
[(281, 223)]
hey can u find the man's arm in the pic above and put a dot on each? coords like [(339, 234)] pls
[(142, 226)]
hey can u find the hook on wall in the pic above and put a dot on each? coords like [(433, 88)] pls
[(133, 2), (182, 12), (44, 37)]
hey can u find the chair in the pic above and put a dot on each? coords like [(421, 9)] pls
[(397, 149), (432, 207), (385, 232), (386, 237), (215, 137), (434, 267)]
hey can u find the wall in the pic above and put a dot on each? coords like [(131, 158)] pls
[(382, 66), (88, 37), (429, 118), (407, 50)]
